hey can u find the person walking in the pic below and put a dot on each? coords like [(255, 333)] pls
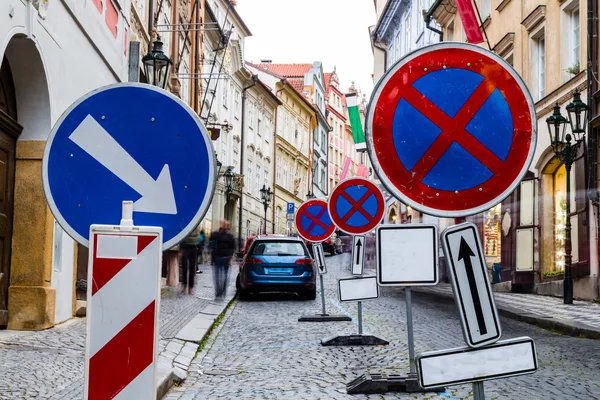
[(201, 245), (189, 260), (223, 249)]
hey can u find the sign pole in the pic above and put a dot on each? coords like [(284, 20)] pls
[(360, 325), (322, 295), (478, 391), (409, 328)]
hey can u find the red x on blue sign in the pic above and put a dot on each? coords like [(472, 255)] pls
[(356, 206), (451, 129), (313, 222)]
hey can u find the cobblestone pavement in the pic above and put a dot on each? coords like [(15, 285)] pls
[(261, 352), (49, 364)]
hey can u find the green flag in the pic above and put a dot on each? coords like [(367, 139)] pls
[(355, 122)]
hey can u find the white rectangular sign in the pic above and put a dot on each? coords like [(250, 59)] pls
[(471, 285), (359, 288), (502, 359), (358, 254), (319, 258), (122, 313), (407, 255)]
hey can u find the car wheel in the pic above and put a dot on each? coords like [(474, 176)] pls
[(310, 295), (243, 294)]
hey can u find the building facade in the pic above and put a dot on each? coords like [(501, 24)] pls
[(296, 122)]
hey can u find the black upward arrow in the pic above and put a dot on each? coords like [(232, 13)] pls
[(358, 246), (465, 253)]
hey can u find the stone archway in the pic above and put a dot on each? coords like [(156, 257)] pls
[(31, 298)]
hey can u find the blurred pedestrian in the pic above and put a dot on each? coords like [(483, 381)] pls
[(201, 245), (189, 260), (223, 249)]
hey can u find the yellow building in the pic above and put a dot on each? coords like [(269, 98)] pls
[(546, 44), (295, 122)]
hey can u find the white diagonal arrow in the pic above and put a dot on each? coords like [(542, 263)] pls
[(157, 195)]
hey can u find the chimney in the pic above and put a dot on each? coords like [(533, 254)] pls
[(266, 61)]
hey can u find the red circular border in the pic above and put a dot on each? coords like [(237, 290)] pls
[(337, 192), (302, 210), (382, 129)]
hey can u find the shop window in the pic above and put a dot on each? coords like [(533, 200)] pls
[(560, 219), (491, 232)]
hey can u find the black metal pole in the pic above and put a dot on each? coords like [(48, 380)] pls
[(227, 195), (568, 281), (266, 207)]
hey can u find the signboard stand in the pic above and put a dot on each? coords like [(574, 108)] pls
[(357, 286), (125, 265), (313, 224)]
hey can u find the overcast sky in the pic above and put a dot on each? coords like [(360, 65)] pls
[(332, 31)]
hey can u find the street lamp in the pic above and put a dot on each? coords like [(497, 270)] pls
[(156, 65), (265, 195), (310, 195), (228, 188), (219, 165), (566, 152)]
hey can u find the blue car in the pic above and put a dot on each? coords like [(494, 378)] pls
[(277, 264)]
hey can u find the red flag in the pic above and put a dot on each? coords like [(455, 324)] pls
[(469, 21)]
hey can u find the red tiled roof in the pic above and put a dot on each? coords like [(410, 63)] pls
[(327, 77), (298, 84), (286, 70)]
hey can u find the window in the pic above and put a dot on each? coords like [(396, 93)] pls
[(278, 248), (398, 43), (279, 122), (278, 174), (286, 125), (323, 182), (278, 218), (407, 34), (236, 104), (249, 187), (266, 177), (251, 115), (257, 181), (575, 37), (260, 117), (184, 92), (225, 95), (420, 7), (540, 53), (486, 6)]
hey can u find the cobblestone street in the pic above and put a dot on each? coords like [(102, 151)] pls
[(50, 364), (261, 352)]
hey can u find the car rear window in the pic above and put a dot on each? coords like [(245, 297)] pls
[(275, 248)]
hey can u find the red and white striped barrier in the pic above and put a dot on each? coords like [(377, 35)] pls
[(122, 313)]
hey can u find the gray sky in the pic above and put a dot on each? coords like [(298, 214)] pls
[(332, 31)]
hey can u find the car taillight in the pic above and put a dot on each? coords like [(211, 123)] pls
[(304, 261), (253, 260)]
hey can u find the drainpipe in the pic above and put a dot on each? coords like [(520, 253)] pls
[(243, 145), (275, 156), (427, 17)]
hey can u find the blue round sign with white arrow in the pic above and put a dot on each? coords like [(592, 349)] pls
[(129, 141)]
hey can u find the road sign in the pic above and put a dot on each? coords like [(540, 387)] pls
[(289, 217), (471, 284), (122, 313), (129, 141), (358, 288), (319, 258), (407, 255), (356, 206), (503, 359), (290, 208), (358, 254), (451, 129), (313, 222)]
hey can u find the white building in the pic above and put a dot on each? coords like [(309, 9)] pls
[(51, 53)]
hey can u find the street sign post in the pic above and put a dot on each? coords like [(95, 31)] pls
[(503, 359), (319, 258), (123, 310), (407, 255), (356, 206), (451, 129), (358, 288), (313, 222), (471, 285), (314, 225), (358, 254), (157, 153)]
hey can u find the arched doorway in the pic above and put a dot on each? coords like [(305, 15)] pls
[(9, 132)]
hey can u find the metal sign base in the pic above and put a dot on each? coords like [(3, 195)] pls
[(381, 383), (324, 318), (354, 340)]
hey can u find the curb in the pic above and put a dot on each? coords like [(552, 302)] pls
[(562, 326), (169, 375)]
